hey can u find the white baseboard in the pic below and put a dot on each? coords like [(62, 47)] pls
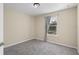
[(41, 40), (63, 44), (5, 46), (60, 44)]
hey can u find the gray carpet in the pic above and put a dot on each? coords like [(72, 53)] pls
[(37, 47)]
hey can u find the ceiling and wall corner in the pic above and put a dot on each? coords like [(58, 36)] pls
[(42, 9)]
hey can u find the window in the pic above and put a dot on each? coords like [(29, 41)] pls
[(52, 24)]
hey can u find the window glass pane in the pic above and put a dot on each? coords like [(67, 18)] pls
[(52, 24)]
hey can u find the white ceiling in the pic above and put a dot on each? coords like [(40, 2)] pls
[(42, 9)]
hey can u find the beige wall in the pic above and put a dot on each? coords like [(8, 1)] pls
[(40, 27), (78, 27), (66, 28), (18, 27)]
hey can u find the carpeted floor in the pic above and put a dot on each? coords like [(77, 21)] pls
[(37, 47)]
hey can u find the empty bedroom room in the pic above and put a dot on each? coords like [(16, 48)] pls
[(41, 28)]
